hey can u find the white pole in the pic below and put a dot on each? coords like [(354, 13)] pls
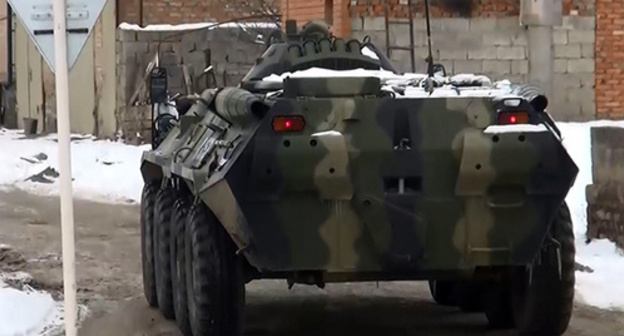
[(67, 207)]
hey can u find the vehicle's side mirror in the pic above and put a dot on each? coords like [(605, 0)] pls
[(158, 86)]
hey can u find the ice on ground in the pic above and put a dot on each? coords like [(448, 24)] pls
[(102, 170), (28, 312), (600, 288)]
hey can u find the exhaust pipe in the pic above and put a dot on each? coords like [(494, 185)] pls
[(533, 94)]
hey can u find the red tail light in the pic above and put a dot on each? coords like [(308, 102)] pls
[(288, 124), (512, 118)]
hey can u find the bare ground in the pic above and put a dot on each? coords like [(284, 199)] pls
[(109, 283)]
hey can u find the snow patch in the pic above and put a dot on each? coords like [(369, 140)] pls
[(599, 288), (515, 128), (28, 312), (366, 51), (327, 73), (102, 170), (327, 134)]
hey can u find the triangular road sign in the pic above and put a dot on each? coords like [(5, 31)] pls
[(36, 16)]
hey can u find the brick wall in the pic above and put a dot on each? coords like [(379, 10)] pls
[(189, 11), (610, 59), (605, 196), (334, 12), (484, 38)]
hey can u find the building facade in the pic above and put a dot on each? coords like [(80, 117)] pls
[(483, 37), (147, 12), (487, 38)]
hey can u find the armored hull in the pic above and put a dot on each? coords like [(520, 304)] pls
[(357, 173), (383, 184)]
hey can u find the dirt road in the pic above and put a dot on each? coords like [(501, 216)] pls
[(109, 282)]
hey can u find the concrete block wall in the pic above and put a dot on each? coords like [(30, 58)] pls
[(232, 54), (497, 47), (3, 41), (605, 196)]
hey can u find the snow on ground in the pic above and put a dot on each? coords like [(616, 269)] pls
[(28, 312), (102, 170), (603, 287)]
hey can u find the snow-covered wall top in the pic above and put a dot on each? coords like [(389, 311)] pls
[(196, 26)]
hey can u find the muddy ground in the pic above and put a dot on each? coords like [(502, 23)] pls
[(109, 283)]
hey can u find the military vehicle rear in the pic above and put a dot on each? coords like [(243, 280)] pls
[(327, 165)]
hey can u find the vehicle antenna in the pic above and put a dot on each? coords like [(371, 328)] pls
[(429, 83), (430, 56)]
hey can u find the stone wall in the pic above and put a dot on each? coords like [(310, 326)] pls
[(497, 47), (231, 51), (605, 197)]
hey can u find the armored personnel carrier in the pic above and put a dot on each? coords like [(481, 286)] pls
[(325, 165)]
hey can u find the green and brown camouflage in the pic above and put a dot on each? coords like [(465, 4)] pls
[(158, 162), (375, 184)]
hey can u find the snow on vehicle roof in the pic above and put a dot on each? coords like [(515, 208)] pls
[(409, 85), (196, 26), (366, 51), (526, 128)]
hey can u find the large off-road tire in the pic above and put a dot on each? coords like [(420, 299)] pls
[(543, 306), (215, 283), (178, 267), (148, 199), (162, 213), (443, 292)]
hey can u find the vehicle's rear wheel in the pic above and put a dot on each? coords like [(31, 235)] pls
[(215, 283), (178, 267), (148, 199), (164, 203), (543, 301), (443, 292)]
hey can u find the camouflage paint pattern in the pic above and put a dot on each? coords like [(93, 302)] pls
[(376, 183), (158, 163)]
